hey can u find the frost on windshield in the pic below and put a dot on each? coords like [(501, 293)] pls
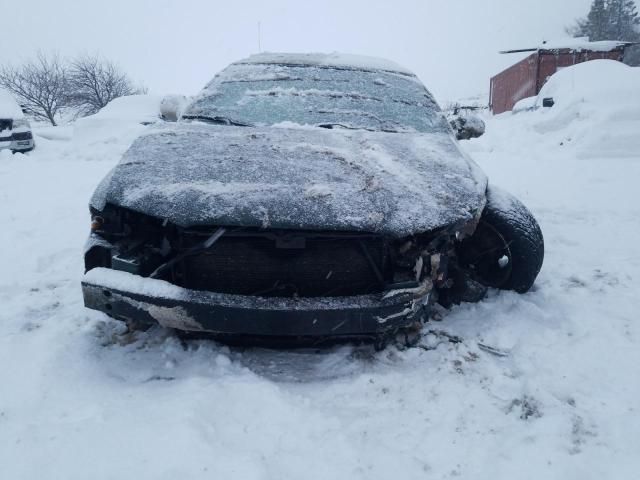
[(268, 94)]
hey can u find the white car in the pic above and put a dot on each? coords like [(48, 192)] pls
[(15, 131)]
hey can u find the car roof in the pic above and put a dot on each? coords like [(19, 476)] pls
[(329, 60), (9, 108)]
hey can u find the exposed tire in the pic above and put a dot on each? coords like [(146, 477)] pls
[(507, 249)]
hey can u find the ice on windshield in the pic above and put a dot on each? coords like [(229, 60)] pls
[(268, 94)]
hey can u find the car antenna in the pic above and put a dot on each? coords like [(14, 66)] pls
[(259, 46)]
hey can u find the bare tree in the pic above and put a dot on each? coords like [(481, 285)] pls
[(94, 82), (39, 85)]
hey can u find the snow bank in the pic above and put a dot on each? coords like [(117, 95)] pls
[(59, 133), (124, 117), (596, 110), (597, 103), (104, 136), (601, 84)]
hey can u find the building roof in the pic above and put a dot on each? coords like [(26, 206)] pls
[(575, 44)]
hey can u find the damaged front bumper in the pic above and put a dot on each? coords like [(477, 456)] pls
[(137, 299)]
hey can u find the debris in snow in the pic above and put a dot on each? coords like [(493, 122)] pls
[(527, 407), (498, 352), (434, 338), (417, 268)]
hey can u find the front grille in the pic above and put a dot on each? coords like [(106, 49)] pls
[(309, 266), (22, 136)]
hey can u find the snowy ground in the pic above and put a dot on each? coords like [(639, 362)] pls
[(78, 400)]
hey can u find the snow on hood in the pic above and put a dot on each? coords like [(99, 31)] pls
[(9, 108), (296, 178), (341, 60)]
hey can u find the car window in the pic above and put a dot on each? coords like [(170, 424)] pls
[(268, 94)]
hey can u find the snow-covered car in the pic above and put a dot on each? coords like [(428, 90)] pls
[(15, 130), (121, 119), (302, 197)]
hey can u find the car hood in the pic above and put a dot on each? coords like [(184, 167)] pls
[(307, 178)]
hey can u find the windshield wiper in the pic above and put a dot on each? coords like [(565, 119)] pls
[(331, 126), (217, 120)]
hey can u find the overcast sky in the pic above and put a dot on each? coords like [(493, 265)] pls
[(177, 46)]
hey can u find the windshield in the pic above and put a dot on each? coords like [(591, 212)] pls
[(269, 94)]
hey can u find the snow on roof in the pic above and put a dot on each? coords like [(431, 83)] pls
[(581, 43), (9, 108), (343, 60)]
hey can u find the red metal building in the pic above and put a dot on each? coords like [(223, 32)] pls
[(526, 78)]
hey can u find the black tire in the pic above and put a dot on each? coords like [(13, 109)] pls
[(507, 249)]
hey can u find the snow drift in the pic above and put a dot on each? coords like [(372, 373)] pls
[(123, 117)]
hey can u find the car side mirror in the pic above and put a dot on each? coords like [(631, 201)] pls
[(172, 106), (548, 102)]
